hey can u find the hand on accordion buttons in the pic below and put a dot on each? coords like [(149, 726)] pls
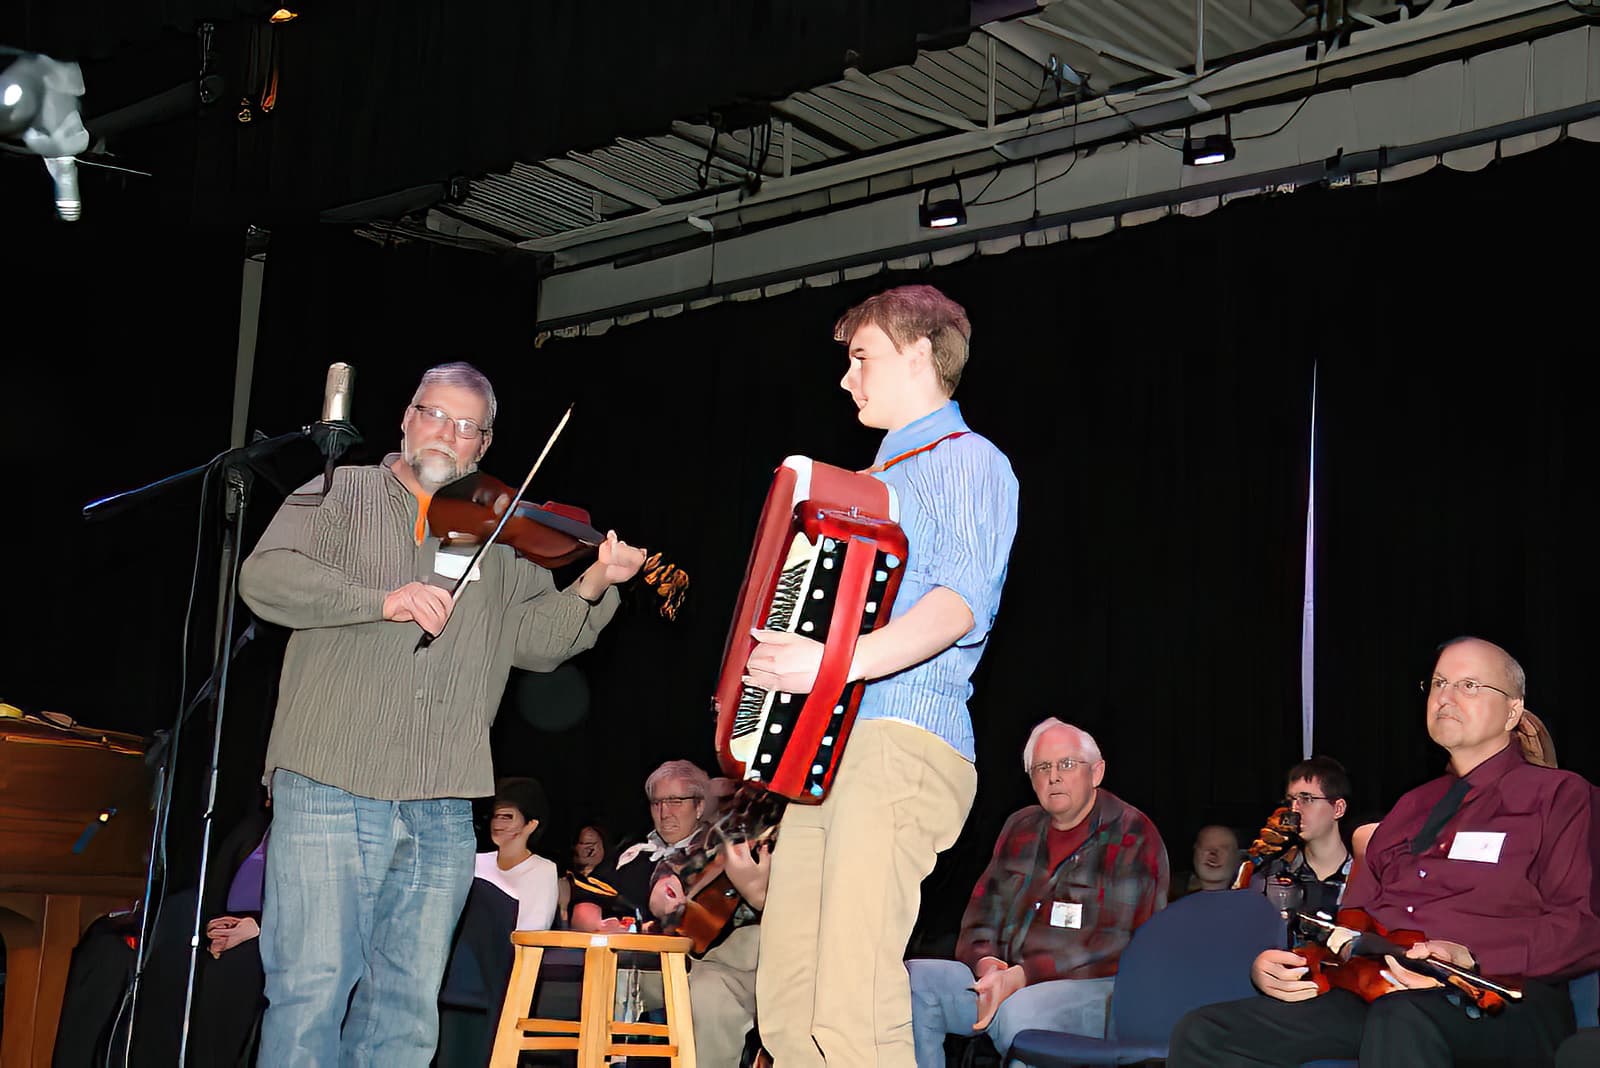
[(784, 662)]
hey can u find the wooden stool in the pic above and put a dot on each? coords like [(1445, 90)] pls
[(591, 1035)]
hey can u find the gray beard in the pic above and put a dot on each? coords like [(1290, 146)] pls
[(434, 469)]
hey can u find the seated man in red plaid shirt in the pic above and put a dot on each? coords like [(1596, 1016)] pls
[(1071, 878)]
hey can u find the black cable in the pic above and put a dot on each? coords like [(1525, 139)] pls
[(1281, 125), (152, 914)]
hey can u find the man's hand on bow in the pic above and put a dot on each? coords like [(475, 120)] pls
[(427, 606), (1433, 949)]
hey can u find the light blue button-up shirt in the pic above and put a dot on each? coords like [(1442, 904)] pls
[(958, 508)]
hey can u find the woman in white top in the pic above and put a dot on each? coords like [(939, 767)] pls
[(520, 810)]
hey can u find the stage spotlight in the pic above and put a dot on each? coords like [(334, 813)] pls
[(282, 15), (1212, 148), (942, 214), (39, 103)]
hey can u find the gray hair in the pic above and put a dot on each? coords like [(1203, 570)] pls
[(1090, 746), (681, 771), (464, 376), (1514, 672)]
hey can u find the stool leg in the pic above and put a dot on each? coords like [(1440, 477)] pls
[(594, 1021), (518, 1004), (680, 1018)]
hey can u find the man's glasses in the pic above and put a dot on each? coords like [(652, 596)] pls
[(1303, 798), (670, 802), (1464, 687), (1064, 765), (465, 428)]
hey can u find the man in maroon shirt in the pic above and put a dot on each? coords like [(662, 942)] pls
[(1491, 860)]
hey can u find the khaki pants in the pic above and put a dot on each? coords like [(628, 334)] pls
[(722, 998), (845, 888)]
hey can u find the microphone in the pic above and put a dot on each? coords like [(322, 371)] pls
[(333, 433), (337, 392)]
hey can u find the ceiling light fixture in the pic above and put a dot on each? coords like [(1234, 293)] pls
[(1212, 148), (942, 214)]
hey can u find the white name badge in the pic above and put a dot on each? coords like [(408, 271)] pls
[(453, 565), (1481, 846), (1066, 914)]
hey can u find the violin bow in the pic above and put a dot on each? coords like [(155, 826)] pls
[(1424, 964), (461, 583)]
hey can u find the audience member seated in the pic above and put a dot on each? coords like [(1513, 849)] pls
[(520, 811), (1070, 879), (1490, 861), (1215, 860), (591, 847), (1319, 790), (228, 974), (643, 886)]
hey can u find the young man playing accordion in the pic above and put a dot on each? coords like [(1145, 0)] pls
[(846, 882)]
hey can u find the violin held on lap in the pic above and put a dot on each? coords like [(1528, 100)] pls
[(467, 511), (1348, 954)]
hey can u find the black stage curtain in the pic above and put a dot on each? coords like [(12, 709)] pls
[(1153, 390)]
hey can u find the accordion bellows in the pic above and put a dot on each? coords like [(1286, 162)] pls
[(827, 560)]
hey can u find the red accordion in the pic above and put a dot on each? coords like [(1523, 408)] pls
[(827, 560)]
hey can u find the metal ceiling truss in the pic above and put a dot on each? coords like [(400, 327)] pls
[(1071, 75)]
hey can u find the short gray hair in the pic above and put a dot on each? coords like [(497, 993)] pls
[(464, 376), (681, 771), (1091, 747)]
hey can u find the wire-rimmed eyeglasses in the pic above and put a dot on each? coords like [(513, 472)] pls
[(465, 428)]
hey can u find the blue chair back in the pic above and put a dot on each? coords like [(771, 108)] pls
[(1197, 951), (1585, 991)]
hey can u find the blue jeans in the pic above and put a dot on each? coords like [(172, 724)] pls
[(361, 895), (943, 1003)]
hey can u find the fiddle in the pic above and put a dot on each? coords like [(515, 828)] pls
[(1279, 837), (468, 510), (1350, 957), (710, 899)]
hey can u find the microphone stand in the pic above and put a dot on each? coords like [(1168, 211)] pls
[(165, 752), (286, 461), (237, 493)]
